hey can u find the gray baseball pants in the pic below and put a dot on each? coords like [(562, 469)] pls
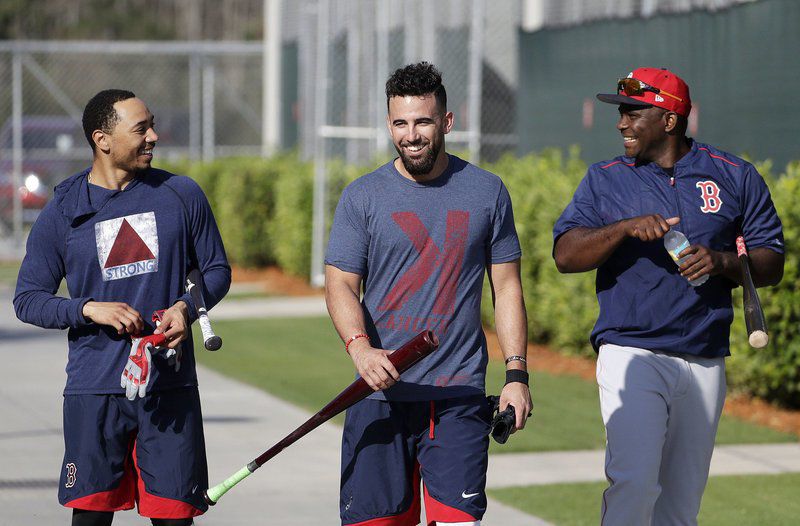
[(661, 413)]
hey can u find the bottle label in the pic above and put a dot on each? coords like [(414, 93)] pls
[(674, 252)]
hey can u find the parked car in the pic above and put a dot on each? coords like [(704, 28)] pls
[(52, 150), (32, 193)]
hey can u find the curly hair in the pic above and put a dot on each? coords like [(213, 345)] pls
[(100, 114), (417, 79)]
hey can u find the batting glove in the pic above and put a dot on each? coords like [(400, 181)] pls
[(136, 375), (173, 356)]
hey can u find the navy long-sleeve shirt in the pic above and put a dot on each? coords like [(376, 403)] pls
[(133, 246)]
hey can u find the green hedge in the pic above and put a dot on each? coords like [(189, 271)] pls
[(562, 308), (264, 206), (264, 209)]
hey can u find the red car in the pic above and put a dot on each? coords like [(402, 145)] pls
[(52, 150), (32, 193)]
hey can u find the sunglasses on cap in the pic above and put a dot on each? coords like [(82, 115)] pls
[(630, 86)]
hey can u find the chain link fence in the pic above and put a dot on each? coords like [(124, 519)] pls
[(206, 98), (348, 48), (333, 57)]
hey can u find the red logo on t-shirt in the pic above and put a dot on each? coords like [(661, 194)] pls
[(450, 260), (127, 246)]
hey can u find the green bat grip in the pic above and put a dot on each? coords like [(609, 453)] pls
[(212, 495)]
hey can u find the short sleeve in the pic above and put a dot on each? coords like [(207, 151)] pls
[(581, 210), (348, 244), (504, 243), (761, 225)]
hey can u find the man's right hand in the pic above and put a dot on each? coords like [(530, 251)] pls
[(373, 365), (649, 227), (124, 318)]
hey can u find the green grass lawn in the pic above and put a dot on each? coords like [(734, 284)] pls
[(303, 362), (8, 273), (751, 500), (248, 295)]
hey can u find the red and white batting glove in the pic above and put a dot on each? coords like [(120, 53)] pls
[(136, 375), (173, 356)]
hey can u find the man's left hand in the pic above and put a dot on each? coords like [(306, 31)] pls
[(518, 395), (700, 261), (174, 324)]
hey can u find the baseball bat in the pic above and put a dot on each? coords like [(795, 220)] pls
[(410, 353), (194, 284), (754, 319)]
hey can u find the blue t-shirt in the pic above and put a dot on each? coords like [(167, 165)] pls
[(644, 301), (422, 249), (133, 246)]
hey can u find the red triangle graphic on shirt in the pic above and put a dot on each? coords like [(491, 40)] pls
[(128, 247)]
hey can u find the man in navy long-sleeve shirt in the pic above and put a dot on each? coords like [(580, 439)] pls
[(124, 236)]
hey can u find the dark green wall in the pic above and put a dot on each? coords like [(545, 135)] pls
[(742, 66)]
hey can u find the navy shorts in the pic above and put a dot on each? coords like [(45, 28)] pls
[(150, 451), (388, 446)]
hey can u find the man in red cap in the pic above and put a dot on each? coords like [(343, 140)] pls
[(663, 330)]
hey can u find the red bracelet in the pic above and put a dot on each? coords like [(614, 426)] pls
[(353, 338)]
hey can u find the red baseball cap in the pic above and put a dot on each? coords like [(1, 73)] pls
[(655, 87)]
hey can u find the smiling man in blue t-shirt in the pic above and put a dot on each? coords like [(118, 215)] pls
[(662, 342), (418, 234)]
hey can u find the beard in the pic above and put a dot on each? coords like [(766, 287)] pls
[(422, 165)]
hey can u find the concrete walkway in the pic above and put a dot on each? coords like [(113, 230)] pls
[(298, 487)]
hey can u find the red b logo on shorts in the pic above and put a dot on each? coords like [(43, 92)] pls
[(709, 191)]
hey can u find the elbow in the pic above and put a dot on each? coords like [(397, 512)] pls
[(563, 257), (772, 279), (771, 274), (20, 309), (564, 262), (561, 264)]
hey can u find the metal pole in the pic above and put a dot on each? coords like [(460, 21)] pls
[(195, 106), (475, 79), (208, 110), (16, 123), (271, 121), (308, 84), (320, 176), (426, 47), (354, 62), (410, 32), (382, 72)]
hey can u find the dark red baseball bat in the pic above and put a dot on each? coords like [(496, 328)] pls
[(754, 320), (410, 353)]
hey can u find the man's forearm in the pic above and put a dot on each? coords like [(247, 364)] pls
[(766, 266), (582, 248), (511, 323), (344, 307)]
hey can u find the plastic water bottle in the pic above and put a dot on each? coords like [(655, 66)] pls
[(675, 243)]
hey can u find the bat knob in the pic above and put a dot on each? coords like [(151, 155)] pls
[(213, 343), (758, 339), (208, 499)]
